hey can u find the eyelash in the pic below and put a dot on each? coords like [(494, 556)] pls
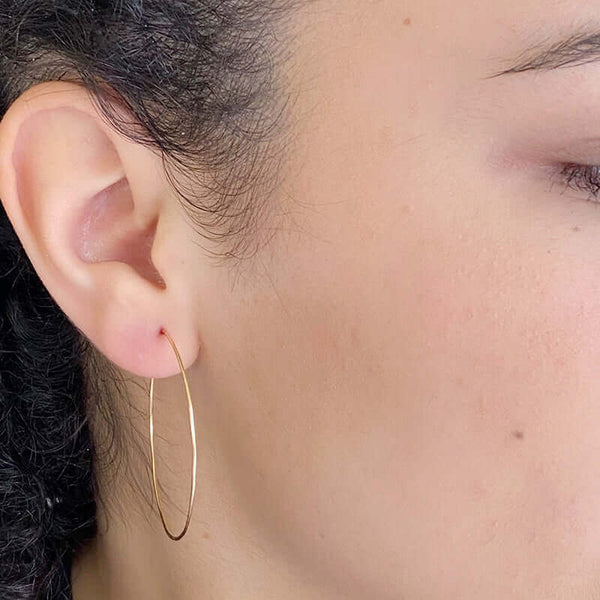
[(583, 178)]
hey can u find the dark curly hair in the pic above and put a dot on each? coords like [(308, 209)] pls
[(200, 79)]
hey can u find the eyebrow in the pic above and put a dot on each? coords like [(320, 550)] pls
[(578, 49)]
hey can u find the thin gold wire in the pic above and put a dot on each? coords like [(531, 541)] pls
[(194, 451)]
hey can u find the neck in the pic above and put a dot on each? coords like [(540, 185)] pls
[(224, 555)]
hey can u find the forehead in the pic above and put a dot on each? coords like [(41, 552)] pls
[(412, 75), (428, 57), (489, 35)]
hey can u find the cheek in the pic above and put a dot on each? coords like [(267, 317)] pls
[(420, 382), (509, 324), (415, 373)]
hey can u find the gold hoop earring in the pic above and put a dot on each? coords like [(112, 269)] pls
[(194, 452)]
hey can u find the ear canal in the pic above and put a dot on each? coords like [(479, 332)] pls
[(107, 231)]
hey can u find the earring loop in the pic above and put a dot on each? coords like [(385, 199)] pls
[(194, 451)]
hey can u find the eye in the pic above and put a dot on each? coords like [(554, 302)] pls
[(583, 178)]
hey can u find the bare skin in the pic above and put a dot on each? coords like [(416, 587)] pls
[(401, 399)]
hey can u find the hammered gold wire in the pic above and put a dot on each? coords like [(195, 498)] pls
[(194, 451)]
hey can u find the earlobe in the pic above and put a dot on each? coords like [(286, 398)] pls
[(87, 205)]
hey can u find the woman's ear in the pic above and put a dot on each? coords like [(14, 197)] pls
[(101, 227)]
